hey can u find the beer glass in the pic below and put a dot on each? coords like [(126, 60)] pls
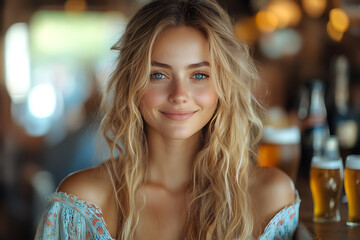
[(281, 148), (326, 178), (352, 189)]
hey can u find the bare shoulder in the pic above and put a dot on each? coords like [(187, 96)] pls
[(90, 185), (271, 190), (94, 185), (272, 187)]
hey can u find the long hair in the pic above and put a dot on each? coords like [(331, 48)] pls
[(220, 206)]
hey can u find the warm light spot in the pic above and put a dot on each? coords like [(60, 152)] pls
[(339, 20), (282, 13), (314, 8), (333, 33), (245, 29), (266, 21), (295, 13), (75, 5), (288, 13)]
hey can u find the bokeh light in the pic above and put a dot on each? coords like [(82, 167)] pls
[(266, 21), (17, 62), (314, 8), (339, 20), (42, 101), (280, 43), (75, 5), (288, 13), (245, 29), (333, 33)]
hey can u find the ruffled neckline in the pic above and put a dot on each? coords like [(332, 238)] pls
[(89, 209)]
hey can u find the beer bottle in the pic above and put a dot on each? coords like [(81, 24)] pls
[(341, 118), (315, 129)]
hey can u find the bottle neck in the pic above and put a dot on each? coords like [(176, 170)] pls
[(341, 93), (316, 115), (317, 104), (341, 85)]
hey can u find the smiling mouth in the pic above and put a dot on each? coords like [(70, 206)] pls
[(178, 116)]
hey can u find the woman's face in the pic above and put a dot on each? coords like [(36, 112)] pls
[(180, 98)]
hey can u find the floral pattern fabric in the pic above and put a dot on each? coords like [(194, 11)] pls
[(68, 218), (283, 225)]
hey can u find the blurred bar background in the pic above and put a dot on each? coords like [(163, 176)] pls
[(56, 58)]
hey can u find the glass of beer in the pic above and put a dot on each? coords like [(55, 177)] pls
[(280, 148), (352, 189), (326, 178)]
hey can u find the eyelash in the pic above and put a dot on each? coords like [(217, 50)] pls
[(204, 75), (152, 75)]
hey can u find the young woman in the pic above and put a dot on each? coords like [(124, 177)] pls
[(181, 123)]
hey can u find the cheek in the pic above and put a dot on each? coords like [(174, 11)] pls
[(152, 97), (207, 98)]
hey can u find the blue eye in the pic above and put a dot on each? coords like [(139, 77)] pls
[(200, 76), (157, 76)]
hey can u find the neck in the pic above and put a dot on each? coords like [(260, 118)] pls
[(170, 161)]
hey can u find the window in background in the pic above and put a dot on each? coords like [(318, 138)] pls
[(54, 64)]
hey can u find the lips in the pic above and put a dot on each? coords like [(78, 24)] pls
[(178, 115)]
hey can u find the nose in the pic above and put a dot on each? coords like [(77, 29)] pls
[(179, 92)]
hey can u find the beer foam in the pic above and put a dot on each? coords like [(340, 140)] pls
[(325, 163), (290, 135), (353, 162)]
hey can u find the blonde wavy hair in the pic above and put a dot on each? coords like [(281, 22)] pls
[(220, 206)]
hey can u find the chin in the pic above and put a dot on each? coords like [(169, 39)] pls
[(181, 135)]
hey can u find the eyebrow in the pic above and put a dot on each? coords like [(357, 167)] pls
[(190, 66)]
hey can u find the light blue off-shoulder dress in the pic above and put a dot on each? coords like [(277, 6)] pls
[(68, 218)]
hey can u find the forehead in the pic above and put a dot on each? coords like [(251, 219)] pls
[(181, 43)]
